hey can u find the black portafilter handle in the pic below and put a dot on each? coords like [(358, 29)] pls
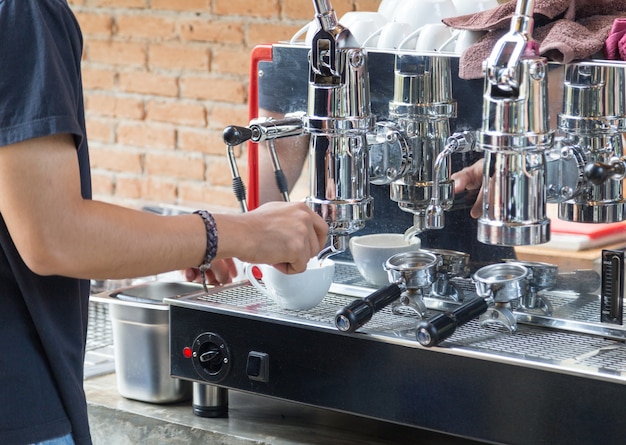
[(361, 310), (235, 135), (598, 173), (435, 330)]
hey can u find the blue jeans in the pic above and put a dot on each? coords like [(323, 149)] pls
[(65, 440)]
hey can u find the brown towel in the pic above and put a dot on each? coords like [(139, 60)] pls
[(570, 30)]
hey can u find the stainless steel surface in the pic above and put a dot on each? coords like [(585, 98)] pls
[(382, 372), (338, 120), (209, 400), (576, 320), (593, 122), (99, 355), (422, 107), (140, 327)]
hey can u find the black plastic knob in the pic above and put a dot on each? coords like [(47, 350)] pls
[(598, 173), (234, 135)]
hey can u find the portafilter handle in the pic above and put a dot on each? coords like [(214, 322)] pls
[(361, 310), (435, 330)]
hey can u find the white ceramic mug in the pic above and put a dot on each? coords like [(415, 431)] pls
[(370, 252), (294, 291)]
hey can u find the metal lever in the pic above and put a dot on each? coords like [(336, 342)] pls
[(326, 39), (501, 66)]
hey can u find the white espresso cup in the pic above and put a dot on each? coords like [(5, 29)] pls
[(370, 252), (296, 292)]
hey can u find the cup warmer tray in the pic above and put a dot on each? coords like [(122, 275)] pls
[(559, 379)]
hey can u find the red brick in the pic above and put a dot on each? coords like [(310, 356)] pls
[(177, 165), (212, 31), (118, 160), (95, 24), (130, 187), (203, 195), (259, 33), (195, 140), (101, 130), (179, 5), (117, 53), (118, 3), (101, 183), (162, 190), (146, 135), (96, 78), (177, 113), (213, 88), (145, 26), (269, 8), (230, 60), (149, 83), (222, 116), (178, 57)]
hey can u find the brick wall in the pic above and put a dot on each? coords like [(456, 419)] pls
[(162, 79)]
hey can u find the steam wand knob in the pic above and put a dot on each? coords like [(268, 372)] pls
[(598, 173), (235, 135)]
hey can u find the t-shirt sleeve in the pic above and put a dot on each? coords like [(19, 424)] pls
[(40, 81)]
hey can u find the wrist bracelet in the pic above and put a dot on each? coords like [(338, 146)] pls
[(211, 244)]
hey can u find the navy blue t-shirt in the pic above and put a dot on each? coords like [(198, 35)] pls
[(43, 320)]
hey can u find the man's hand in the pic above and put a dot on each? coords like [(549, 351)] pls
[(471, 178), (221, 272)]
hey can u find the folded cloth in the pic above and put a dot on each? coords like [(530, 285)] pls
[(543, 12), (562, 41), (500, 16), (565, 30), (615, 45)]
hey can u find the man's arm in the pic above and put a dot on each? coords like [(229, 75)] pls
[(58, 232)]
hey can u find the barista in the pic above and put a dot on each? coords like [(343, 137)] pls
[(283, 89)]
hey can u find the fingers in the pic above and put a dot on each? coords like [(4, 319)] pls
[(221, 272), (470, 178)]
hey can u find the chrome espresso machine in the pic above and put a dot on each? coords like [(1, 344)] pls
[(466, 340)]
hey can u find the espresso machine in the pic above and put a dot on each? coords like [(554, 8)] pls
[(519, 352)]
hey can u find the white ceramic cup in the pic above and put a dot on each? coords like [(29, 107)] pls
[(388, 7), (362, 24), (421, 12), (433, 37), (392, 34), (295, 291), (370, 252)]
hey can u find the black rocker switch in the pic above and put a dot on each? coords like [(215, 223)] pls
[(258, 366)]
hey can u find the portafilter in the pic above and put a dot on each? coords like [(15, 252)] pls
[(407, 272), (498, 283)]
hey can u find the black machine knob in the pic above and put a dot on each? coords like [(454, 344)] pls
[(211, 357), (598, 173), (235, 135), (360, 311), (433, 331)]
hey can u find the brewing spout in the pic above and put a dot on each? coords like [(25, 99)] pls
[(338, 244)]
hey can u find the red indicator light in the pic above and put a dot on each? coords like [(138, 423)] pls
[(187, 352)]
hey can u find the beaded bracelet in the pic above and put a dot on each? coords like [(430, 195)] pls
[(211, 244)]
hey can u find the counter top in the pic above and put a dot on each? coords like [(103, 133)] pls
[(252, 419)]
